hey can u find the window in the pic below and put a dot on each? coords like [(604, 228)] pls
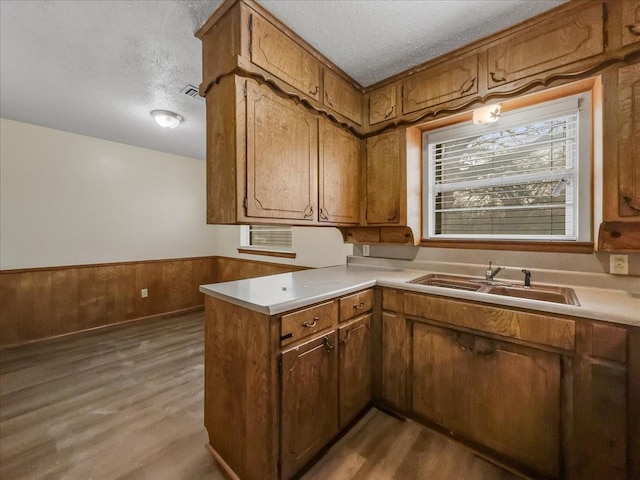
[(266, 237), (526, 177)]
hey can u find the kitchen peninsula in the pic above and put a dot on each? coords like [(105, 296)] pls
[(292, 359)]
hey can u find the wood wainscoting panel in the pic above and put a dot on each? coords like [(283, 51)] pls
[(39, 303)]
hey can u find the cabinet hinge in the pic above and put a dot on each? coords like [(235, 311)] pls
[(244, 90), (250, 35), (244, 204), (280, 366)]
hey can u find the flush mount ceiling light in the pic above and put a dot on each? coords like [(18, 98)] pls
[(486, 114), (166, 119)]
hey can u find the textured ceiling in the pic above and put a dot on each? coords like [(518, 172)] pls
[(98, 67)]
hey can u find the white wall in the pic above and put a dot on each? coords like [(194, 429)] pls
[(68, 199), (314, 246)]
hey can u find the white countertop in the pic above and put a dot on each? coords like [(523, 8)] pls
[(275, 294)]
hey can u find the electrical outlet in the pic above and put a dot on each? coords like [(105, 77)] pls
[(144, 293), (365, 250), (619, 264)]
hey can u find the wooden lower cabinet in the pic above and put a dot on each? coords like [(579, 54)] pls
[(501, 395), (394, 362), (309, 418), (355, 368)]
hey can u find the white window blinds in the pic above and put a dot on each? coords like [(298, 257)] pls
[(515, 180), (274, 237)]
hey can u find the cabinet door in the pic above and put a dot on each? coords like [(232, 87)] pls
[(340, 96), (339, 170), (451, 81), (383, 171), (355, 368), (282, 157), (394, 363), (383, 104), (280, 55), (559, 42), (501, 395), (630, 21), (629, 140), (309, 416)]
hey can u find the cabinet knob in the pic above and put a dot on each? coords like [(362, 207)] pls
[(312, 324), (327, 344), (359, 306), (346, 339)]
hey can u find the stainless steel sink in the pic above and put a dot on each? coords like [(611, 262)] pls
[(542, 293), (449, 281)]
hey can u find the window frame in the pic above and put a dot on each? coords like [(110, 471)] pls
[(592, 208), (266, 250)]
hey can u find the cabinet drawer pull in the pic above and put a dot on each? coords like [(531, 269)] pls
[(327, 344), (312, 324), (634, 29), (359, 306), (346, 339)]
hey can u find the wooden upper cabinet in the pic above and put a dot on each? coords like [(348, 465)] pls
[(339, 175), (309, 415), (383, 104), (630, 21), (393, 180), (384, 174), (629, 140), (282, 157), (450, 81), (340, 96), (278, 54), (554, 43)]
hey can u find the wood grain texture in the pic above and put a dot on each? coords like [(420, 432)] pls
[(45, 302), (340, 96), (354, 352), (309, 415), (308, 321), (116, 403), (394, 360), (384, 179), (240, 398), (503, 396), (383, 104), (282, 157), (356, 304), (278, 54), (533, 327), (629, 140), (449, 81), (339, 175), (633, 401)]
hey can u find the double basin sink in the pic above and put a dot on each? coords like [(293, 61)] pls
[(543, 293)]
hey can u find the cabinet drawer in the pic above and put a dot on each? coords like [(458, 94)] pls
[(278, 54), (356, 304), (295, 326), (531, 327)]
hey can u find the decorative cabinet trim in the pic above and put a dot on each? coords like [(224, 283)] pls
[(383, 104), (342, 97)]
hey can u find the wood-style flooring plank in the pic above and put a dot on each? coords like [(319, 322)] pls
[(126, 403)]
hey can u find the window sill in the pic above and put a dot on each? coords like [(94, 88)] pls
[(267, 253), (557, 247)]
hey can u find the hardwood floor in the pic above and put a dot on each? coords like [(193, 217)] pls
[(125, 402)]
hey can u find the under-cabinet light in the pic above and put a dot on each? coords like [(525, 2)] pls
[(486, 114)]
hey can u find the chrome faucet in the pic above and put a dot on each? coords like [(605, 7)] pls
[(490, 273)]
